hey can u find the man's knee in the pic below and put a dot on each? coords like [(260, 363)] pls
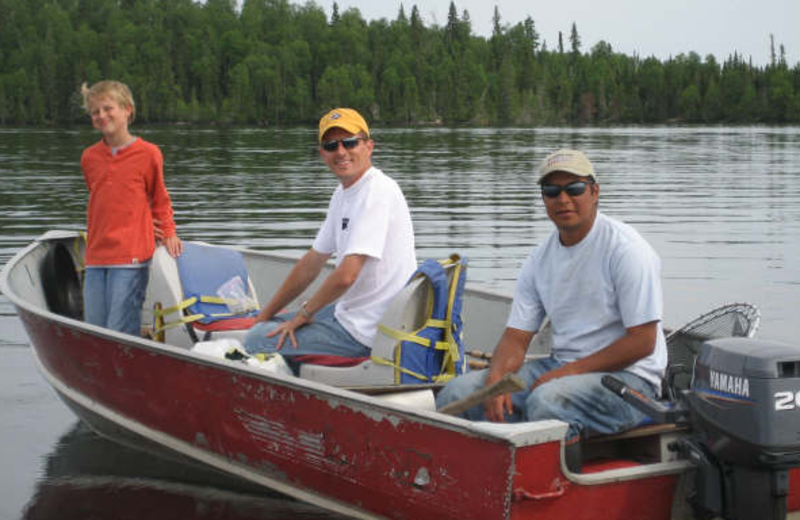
[(460, 387), (547, 399), (561, 398), (256, 338)]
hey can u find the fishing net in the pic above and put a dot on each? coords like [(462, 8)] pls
[(683, 344)]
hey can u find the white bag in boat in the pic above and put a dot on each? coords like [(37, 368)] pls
[(232, 350), (218, 348), (270, 362)]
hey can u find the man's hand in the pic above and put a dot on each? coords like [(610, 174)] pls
[(496, 408), (508, 357), (288, 328)]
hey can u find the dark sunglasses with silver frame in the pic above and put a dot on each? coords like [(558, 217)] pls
[(348, 142), (573, 189)]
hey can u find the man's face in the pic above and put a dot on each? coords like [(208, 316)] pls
[(572, 214), (347, 165)]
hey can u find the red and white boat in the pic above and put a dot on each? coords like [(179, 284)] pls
[(353, 453)]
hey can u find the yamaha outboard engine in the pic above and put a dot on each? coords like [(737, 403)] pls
[(744, 403), (744, 409)]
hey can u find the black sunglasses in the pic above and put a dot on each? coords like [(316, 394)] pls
[(573, 189), (348, 142)]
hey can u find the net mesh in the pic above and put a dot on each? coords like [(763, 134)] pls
[(683, 344)]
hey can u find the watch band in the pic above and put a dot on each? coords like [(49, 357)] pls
[(304, 311)]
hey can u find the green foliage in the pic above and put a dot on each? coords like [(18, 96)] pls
[(280, 62)]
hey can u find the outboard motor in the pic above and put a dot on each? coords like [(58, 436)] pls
[(744, 403), (744, 408)]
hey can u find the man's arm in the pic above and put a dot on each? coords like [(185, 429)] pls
[(637, 343), (508, 356), (335, 285), (300, 277)]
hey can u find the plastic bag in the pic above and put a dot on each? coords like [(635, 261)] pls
[(235, 296), (232, 350)]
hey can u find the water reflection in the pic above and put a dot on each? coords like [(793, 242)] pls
[(88, 476)]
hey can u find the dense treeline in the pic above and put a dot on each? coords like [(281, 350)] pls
[(275, 62)]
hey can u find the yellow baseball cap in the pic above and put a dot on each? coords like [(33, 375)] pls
[(345, 118), (570, 161)]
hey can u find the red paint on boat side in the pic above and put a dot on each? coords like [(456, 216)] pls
[(378, 460), (605, 465), (793, 500), (549, 494), (381, 461)]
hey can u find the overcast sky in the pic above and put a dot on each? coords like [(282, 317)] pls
[(660, 28)]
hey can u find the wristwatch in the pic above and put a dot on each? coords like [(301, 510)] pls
[(304, 311)]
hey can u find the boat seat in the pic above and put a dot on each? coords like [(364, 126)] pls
[(408, 314), (199, 296)]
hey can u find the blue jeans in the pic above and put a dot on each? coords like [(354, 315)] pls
[(325, 335), (113, 297), (581, 401)]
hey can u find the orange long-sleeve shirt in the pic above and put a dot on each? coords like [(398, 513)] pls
[(126, 191)]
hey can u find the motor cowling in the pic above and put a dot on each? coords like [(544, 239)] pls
[(745, 398), (744, 406)]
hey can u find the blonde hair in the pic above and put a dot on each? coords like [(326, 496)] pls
[(116, 90)]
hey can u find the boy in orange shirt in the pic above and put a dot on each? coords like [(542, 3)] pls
[(127, 200)]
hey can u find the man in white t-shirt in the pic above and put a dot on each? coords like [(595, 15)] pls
[(599, 282), (368, 231)]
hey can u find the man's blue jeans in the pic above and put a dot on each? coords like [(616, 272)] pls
[(325, 335), (581, 401), (113, 297)]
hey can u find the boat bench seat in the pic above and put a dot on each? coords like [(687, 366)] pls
[(184, 304), (406, 313), (419, 338)]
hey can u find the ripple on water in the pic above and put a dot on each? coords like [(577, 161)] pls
[(721, 205)]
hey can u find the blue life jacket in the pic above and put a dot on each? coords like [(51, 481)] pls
[(435, 352)]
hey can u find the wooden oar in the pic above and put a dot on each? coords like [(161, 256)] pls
[(508, 384)]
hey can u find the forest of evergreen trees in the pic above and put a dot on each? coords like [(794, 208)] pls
[(277, 62)]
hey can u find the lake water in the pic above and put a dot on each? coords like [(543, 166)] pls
[(720, 205)]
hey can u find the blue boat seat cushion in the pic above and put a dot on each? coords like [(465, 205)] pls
[(203, 270), (185, 302)]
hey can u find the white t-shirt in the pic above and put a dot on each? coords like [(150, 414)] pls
[(369, 218), (592, 292)]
